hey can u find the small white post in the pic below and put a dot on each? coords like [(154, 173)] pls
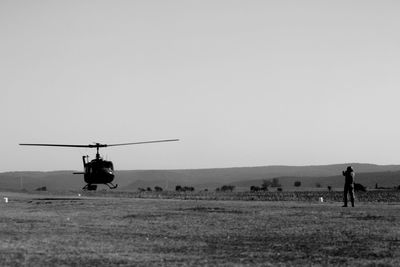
[(6, 199)]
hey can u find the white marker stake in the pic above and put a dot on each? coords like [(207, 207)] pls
[(321, 199), (6, 199)]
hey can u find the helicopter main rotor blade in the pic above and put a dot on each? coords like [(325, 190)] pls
[(57, 145), (98, 145), (145, 142)]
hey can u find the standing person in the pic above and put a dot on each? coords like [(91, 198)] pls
[(349, 185)]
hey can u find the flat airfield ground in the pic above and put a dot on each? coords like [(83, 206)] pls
[(49, 230)]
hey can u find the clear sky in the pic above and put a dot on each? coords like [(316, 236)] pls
[(241, 83)]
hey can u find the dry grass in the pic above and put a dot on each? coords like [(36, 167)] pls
[(383, 196), (118, 231)]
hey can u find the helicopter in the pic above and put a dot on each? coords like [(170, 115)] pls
[(98, 170)]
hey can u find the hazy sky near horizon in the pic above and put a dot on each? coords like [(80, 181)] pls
[(241, 83)]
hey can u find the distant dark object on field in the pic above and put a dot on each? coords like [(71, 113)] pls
[(226, 188), (98, 170), (279, 189), (275, 183), (270, 183), (297, 184), (158, 189), (359, 188), (257, 188), (329, 188), (43, 188), (184, 188)]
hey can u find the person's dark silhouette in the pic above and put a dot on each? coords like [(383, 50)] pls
[(348, 185)]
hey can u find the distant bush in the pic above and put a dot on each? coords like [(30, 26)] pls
[(188, 188), (279, 189), (184, 189), (226, 188), (158, 189), (360, 187), (265, 184), (275, 183), (297, 183), (43, 188), (257, 188), (141, 189), (318, 185), (149, 189)]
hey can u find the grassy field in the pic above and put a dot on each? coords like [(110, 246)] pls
[(96, 230), (382, 196)]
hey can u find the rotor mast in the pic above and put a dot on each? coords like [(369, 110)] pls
[(97, 150)]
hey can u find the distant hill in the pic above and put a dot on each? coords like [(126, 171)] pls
[(55, 180), (368, 179), (384, 175), (245, 176)]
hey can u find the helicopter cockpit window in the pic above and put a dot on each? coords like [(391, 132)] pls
[(108, 165)]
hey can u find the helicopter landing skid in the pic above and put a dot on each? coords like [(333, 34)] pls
[(93, 187), (111, 185), (90, 187)]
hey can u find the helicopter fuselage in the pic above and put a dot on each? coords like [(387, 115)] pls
[(98, 171)]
